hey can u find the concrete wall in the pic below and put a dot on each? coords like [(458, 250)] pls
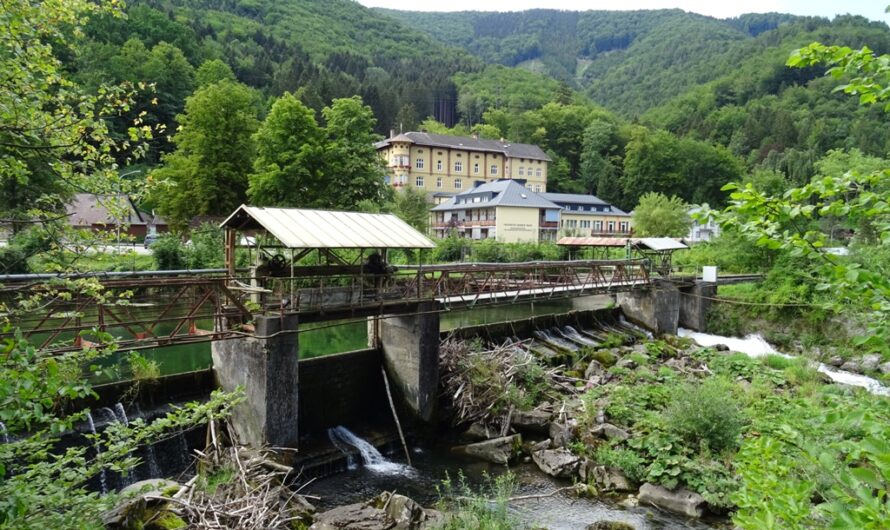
[(410, 345), (695, 303), (656, 307), (266, 367), (342, 389), (524, 328), (517, 225)]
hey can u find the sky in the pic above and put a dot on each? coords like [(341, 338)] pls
[(873, 9)]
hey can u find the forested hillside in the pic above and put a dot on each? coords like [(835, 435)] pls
[(630, 61), (624, 102)]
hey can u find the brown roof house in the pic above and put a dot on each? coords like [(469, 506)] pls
[(106, 212)]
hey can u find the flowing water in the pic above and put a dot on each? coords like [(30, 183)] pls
[(432, 465), (756, 346), (103, 479), (4, 433), (343, 438)]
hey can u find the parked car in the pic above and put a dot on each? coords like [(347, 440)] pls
[(149, 239)]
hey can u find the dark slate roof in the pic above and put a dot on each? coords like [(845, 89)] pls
[(498, 193), (573, 198), (506, 148), (591, 200), (87, 209)]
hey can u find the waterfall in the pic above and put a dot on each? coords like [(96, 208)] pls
[(572, 334), (103, 481), (4, 432), (371, 457), (121, 413), (183, 450), (756, 346), (154, 471)]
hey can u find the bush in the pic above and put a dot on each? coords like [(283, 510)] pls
[(206, 251), (629, 462), (706, 412), (469, 510), (169, 253)]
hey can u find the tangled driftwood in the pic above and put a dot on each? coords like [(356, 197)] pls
[(479, 385), (256, 497)]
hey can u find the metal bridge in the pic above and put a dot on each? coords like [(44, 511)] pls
[(152, 309)]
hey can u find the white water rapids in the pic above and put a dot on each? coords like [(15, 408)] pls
[(756, 346)]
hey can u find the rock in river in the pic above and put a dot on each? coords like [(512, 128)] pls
[(560, 463), (681, 501), (497, 450)]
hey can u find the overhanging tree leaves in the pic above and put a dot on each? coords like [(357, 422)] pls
[(658, 215)]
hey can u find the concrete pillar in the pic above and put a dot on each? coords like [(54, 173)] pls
[(266, 367), (410, 345), (695, 300), (656, 307)]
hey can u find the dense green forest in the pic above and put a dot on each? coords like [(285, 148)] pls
[(624, 102)]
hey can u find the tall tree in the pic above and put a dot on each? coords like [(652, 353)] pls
[(289, 167), (207, 173), (355, 171), (658, 215)]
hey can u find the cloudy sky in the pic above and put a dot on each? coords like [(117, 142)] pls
[(873, 9)]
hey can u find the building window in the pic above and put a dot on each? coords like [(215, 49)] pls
[(573, 223), (419, 181), (611, 226), (538, 172), (438, 182), (623, 226), (438, 165), (458, 184), (597, 226), (418, 163), (585, 224), (458, 166), (537, 188), (494, 169), (521, 171), (476, 167)]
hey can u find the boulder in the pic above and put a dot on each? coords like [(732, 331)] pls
[(626, 362), (610, 432), (153, 487), (681, 501), (837, 361), (536, 420), (560, 463), (133, 508), (610, 525), (870, 363), (885, 368), (403, 511), (850, 366), (608, 478), (497, 450), (478, 431), (358, 516), (594, 368), (562, 434), (721, 347)]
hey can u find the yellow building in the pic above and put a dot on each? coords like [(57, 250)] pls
[(507, 211), (503, 210), (441, 164)]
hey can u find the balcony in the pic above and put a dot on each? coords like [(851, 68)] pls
[(550, 225), (466, 223)]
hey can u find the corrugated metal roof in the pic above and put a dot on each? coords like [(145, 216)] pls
[(660, 243), (650, 243), (297, 228), (593, 241)]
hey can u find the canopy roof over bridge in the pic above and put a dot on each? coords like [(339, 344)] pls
[(324, 229), (658, 244)]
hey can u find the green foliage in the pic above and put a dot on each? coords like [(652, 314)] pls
[(657, 215), (169, 252), (143, 369), (213, 71), (706, 412), (628, 461), (207, 174), (483, 510)]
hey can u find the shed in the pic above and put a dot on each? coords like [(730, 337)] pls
[(658, 250), (322, 230)]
